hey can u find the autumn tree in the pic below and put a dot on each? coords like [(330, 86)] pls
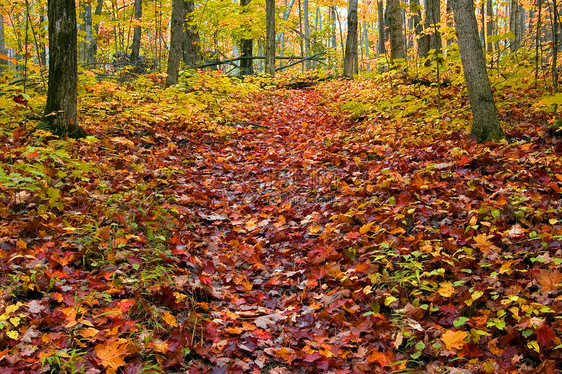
[(60, 111), (191, 41), (381, 49), (485, 123), (397, 44), (2, 51), (431, 40), (176, 41), (270, 37), (351, 42), (246, 46), (135, 49)]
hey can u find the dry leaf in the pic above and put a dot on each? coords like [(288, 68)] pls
[(549, 280), (446, 289), (454, 340), (112, 355), (170, 319)]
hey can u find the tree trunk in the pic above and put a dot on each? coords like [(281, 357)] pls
[(397, 47), (191, 42), (417, 26), (381, 49), (351, 42), (306, 25), (176, 41), (135, 50), (514, 25), (89, 35), (97, 12), (270, 37), (2, 50), (489, 24), (333, 36), (60, 110), (366, 41), (247, 47), (432, 38), (485, 123)]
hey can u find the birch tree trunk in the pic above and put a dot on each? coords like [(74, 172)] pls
[(351, 42), (60, 111), (270, 37), (485, 123), (397, 47), (191, 41), (89, 57), (176, 41)]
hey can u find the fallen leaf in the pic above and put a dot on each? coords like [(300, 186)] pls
[(112, 355), (454, 340)]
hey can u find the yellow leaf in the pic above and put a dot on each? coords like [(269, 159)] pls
[(15, 321), (446, 289), (13, 334), (454, 340), (21, 244), (12, 308), (112, 355), (170, 319)]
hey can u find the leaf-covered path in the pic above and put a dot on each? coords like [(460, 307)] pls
[(339, 229), (268, 254)]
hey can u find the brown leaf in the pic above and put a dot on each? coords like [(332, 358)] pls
[(549, 280)]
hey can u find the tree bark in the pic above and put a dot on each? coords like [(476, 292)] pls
[(270, 37), (89, 35), (135, 49), (417, 26), (485, 123), (351, 42), (432, 38), (397, 45), (191, 41), (176, 41), (381, 49), (60, 110), (514, 26), (97, 12), (247, 48), (2, 50), (306, 24), (490, 24)]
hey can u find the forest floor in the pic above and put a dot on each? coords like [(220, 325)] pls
[(344, 228)]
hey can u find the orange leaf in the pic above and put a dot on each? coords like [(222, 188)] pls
[(549, 280), (454, 340), (112, 355), (170, 319)]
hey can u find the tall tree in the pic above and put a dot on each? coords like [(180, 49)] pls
[(88, 34), (60, 111), (306, 24), (485, 123), (351, 42), (135, 49), (432, 37), (397, 44), (515, 26), (270, 37), (191, 41), (490, 25), (381, 49), (246, 46), (2, 51), (176, 41)]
